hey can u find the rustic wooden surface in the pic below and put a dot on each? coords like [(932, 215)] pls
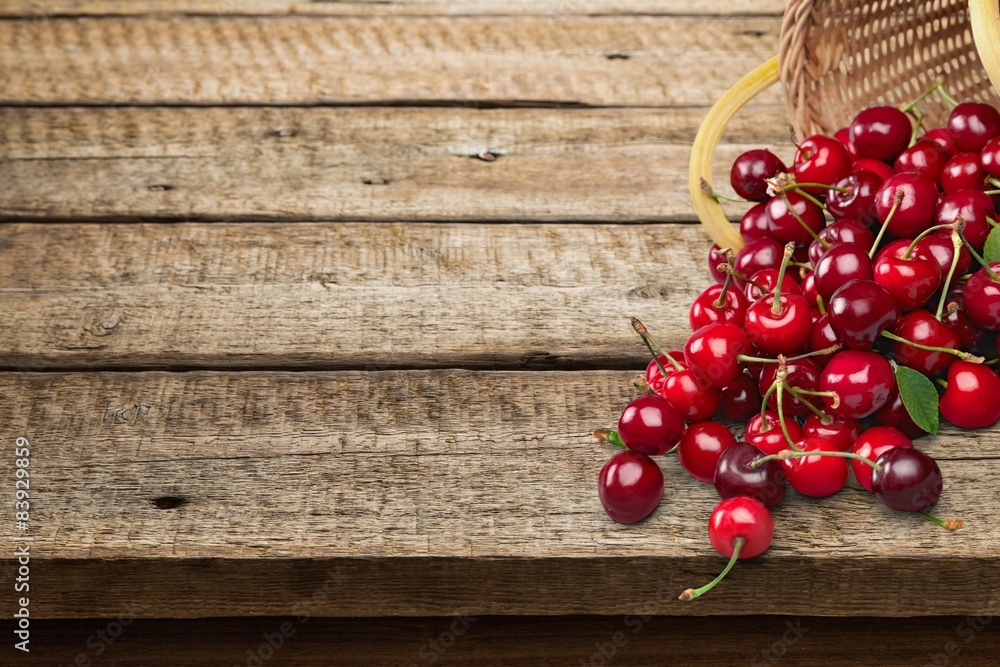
[(245, 247)]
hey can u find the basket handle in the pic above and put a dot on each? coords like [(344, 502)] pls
[(708, 209), (985, 18)]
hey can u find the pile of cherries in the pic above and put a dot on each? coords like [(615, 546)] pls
[(859, 310)]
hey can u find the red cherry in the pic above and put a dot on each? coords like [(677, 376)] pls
[(847, 230), (924, 157), (843, 135), (820, 159), (791, 218), (630, 486), (781, 332), (816, 476), (713, 350), (872, 444), (970, 401), (841, 432), (734, 475), (768, 278), (762, 253), (754, 224), (915, 211), (716, 257), (770, 440), (940, 136), (700, 448), (693, 398), (909, 480), (895, 414), (989, 157), (982, 298), (749, 171), (923, 328), (840, 264), (809, 292), (714, 306), (650, 425), (822, 337), (962, 172), (858, 201), (802, 374), (975, 207), (863, 382), (860, 311), (741, 518), (740, 398), (654, 378), (939, 246), (911, 280), (881, 132), (881, 169), (972, 124)]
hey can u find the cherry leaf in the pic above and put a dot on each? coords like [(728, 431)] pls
[(992, 250), (920, 398)]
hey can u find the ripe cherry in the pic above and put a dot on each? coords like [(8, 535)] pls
[(794, 219), (779, 322), (762, 253), (862, 381), (822, 337), (843, 135), (977, 210), (860, 311), (940, 136), (765, 432), (654, 377), (896, 415), (911, 278), (734, 475), (650, 425), (923, 328), (713, 350), (909, 480), (821, 159), (877, 167), (970, 401), (700, 448), (982, 297), (939, 246), (924, 157), (749, 171), (841, 432), (754, 223), (816, 476), (718, 303), (962, 172), (880, 132), (768, 279), (716, 257), (989, 157), (872, 444), (972, 124), (740, 398), (802, 374), (630, 486), (847, 230), (853, 196), (693, 398), (915, 211), (840, 264)]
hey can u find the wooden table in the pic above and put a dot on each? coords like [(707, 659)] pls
[(309, 308)]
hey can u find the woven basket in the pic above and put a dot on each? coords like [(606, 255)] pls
[(837, 58)]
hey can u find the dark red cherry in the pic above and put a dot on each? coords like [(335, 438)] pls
[(881, 169), (915, 211), (754, 224), (895, 414), (858, 201), (989, 157), (816, 476), (809, 292), (976, 209), (923, 328), (970, 401), (924, 157), (741, 518), (982, 298), (863, 382), (847, 230), (972, 124), (766, 435), (802, 374), (841, 432), (791, 218), (860, 311), (650, 425), (740, 399), (822, 337), (781, 332), (714, 306), (763, 253), (939, 246), (843, 135), (713, 350), (940, 136), (962, 172), (872, 444), (749, 171), (911, 280), (734, 476), (700, 448), (630, 486), (909, 480), (841, 264), (768, 278), (820, 159), (716, 257), (881, 133)]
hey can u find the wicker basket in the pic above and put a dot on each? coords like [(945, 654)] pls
[(839, 57)]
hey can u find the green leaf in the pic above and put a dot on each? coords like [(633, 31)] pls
[(992, 250), (920, 398)]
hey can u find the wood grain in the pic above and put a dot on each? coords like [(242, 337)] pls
[(361, 164), (428, 493), (528, 642), (322, 295), (601, 61), (47, 8)]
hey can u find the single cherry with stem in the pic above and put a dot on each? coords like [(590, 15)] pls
[(970, 398), (701, 446), (630, 486), (862, 381), (736, 475), (779, 322), (842, 432), (908, 480)]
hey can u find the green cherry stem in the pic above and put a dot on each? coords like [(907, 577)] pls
[(787, 454), (608, 436), (720, 303), (798, 218), (921, 236), (799, 394), (764, 426), (950, 524), (982, 262), (956, 242), (782, 381), (640, 329), (776, 304), (896, 201), (725, 268), (965, 356), (691, 594), (805, 195), (764, 360), (938, 85)]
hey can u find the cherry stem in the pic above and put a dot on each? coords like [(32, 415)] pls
[(720, 303), (956, 242), (797, 186), (764, 425), (991, 193), (937, 86), (787, 454), (950, 524), (820, 305), (764, 360), (640, 383), (691, 594), (607, 436), (993, 181), (798, 218), (782, 381), (725, 268), (776, 304), (806, 195), (799, 395), (993, 274), (650, 344), (896, 201), (917, 126), (921, 236), (965, 356)]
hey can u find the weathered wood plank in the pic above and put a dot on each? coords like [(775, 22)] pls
[(537, 641), (609, 61), (360, 164), (323, 295), (48, 8), (428, 493)]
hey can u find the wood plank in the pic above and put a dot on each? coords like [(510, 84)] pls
[(361, 164), (431, 493), (45, 8), (537, 641), (322, 295), (601, 61)]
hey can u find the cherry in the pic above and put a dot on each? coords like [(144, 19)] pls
[(802, 374), (881, 169), (762, 253), (843, 135), (713, 350), (976, 209), (923, 328), (693, 398), (962, 172), (740, 398), (896, 415), (970, 401), (700, 448), (972, 124), (734, 475), (880, 132), (840, 264), (816, 476), (854, 196), (630, 486), (654, 377), (808, 288), (749, 171), (862, 381), (794, 219), (778, 324), (718, 303), (910, 278), (982, 297), (924, 157), (739, 528), (846, 230), (716, 257), (770, 440), (940, 136), (820, 159), (822, 337), (908, 480), (650, 425), (860, 311), (754, 224), (989, 157), (872, 444), (841, 432), (768, 279), (939, 246), (915, 211)]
